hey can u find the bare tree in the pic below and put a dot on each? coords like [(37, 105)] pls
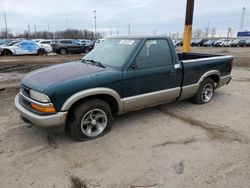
[(229, 32), (198, 33), (206, 31), (65, 34)]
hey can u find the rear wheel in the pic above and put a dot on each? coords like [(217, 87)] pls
[(63, 51), (90, 119), (205, 92), (41, 51)]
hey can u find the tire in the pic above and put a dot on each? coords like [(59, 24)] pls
[(63, 51), (205, 92), (7, 53), (93, 111), (86, 50), (41, 51)]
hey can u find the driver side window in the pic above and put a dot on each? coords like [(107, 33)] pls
[(154, 53)]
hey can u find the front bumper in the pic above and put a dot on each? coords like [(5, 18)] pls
[(46, 121)]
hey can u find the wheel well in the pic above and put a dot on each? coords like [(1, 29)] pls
[(105, 97), (7, 50), (215, 78)]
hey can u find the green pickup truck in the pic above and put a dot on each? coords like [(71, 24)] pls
[(120, 75)]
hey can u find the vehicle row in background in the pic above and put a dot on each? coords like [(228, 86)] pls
[(216, 42), (43, 46)]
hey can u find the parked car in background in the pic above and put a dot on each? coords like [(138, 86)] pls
[(98, 41), (83, 42), (66, 46), (201, 42), (238, 43), (218, 42), (21, 48), (248, 42), (45, 45), (209, 43), (223, 43), (194, 42), (4, 42), (45, 41), (179, 42)]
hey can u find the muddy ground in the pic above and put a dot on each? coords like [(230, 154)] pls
[(173, 145)]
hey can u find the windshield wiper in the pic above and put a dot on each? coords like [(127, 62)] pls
[(99, 64)]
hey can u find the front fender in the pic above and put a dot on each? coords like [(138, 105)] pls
[(90, 92)]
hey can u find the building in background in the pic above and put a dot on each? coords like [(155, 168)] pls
[(243, 34)]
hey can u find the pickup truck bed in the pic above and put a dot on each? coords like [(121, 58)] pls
[(197, 66), (121, 75)]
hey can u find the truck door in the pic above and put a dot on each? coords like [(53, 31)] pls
[(156, 78)]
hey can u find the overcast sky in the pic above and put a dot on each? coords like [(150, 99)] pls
[(144, 16)]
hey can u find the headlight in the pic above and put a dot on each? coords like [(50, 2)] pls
[(39, 96)]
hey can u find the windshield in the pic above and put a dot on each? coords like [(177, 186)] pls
[(12, 43), (112, 52)]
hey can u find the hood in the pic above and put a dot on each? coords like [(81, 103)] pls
[(45, 77)]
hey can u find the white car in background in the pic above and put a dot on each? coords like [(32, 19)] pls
[(98, 41), (223, 43), (83, 42), (21, 48), (45, 45)]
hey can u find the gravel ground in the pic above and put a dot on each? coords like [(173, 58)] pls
[(173, 145)]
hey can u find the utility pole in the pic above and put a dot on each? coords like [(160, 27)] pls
[(29, 31), (242, 18), (229, 32), (6, 26), (188, 26), (207, 32), (128, 29), (95, 21)]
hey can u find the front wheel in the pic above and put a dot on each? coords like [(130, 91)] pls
[(86, 50), (7, 53), (90, 119), (205, 92)]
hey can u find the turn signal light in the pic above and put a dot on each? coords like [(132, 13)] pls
[(49, 109)]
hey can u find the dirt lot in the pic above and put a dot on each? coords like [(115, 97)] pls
[(174, 145)]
